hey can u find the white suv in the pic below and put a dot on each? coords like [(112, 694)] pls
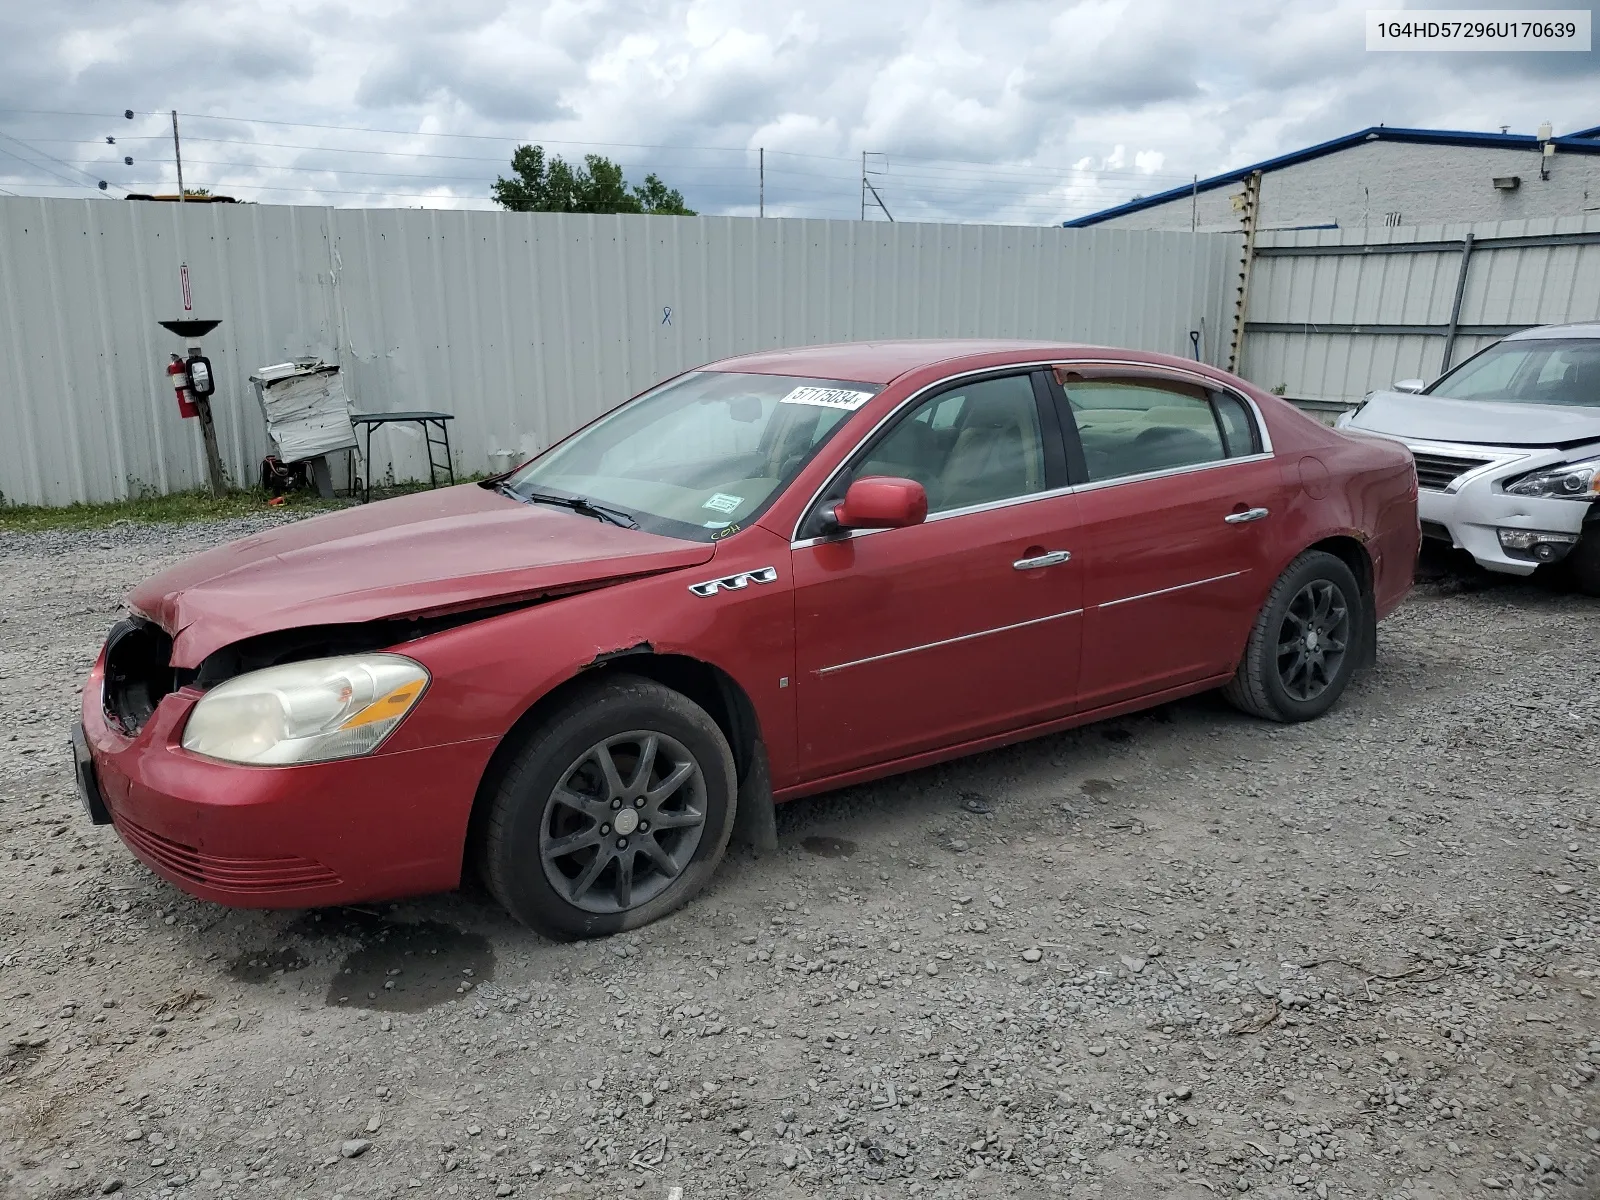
[(1508, 450)]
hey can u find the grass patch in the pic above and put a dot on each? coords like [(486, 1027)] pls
[(193, 506), (150, 510)]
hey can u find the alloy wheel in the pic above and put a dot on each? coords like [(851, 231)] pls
[(1313, 640), (624, 822)]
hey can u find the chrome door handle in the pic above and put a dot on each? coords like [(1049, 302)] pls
[(1248, 515), (1051, 559)]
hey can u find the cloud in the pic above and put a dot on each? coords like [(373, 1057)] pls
[(1015, 110)]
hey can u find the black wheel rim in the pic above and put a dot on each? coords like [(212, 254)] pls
[(624, 822), (1313, 639)]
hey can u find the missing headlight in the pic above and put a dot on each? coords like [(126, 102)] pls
[(138, 672)]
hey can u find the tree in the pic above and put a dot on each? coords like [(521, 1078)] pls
[(555, 185)]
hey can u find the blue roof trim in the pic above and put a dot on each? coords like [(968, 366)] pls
[(1584, 142)]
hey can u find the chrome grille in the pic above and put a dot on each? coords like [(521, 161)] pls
[(1436, 472)]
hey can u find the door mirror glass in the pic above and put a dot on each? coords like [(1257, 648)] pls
[(200, 381), (1414, 386), (882, 502)]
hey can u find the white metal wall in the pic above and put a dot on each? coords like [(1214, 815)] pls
[(1515, 285), (522, 325)]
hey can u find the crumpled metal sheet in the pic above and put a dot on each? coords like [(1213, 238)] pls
[(308, 413)]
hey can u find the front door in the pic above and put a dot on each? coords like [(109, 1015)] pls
[(969, 624), (1176, 514)]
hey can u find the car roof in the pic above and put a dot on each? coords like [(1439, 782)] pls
[(1578, 329), (883, 362)]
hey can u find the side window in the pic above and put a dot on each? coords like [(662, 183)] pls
[(1238, 427), (973, 444), (1130, 427)]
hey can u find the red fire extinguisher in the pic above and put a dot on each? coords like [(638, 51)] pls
[(180, 385)]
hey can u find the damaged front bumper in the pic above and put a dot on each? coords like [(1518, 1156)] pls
[(1473, 511), (358, 829)]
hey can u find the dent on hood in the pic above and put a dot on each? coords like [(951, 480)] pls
[(201, 630)]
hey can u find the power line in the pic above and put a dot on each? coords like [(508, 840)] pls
[(1021, 196), (526, 140), (51, 157), (54, 174)]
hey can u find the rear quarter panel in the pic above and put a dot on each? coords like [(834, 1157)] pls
[(1343, 484)]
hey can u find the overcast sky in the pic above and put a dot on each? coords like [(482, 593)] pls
[(1020, 111)]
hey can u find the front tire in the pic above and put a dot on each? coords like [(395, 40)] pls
[(615, 812), (1305, 644), (1583, 564)]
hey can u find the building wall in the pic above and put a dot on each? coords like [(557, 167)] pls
[(523, 325), (1520, 273), (1359, 187)]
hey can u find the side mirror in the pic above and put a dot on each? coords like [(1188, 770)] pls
[(1414, 386), (882, 502)]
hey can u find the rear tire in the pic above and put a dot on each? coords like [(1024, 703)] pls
[(613, 813), (1306, 642)]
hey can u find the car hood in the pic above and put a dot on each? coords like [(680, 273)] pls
[(1479, 422), (431, 553)]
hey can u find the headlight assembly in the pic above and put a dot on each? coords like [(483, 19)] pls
[(1567, 481), (306, 712)]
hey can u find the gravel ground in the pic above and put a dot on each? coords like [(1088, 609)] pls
[(1183, 954)]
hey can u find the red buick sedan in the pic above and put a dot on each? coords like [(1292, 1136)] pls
[(768, 577)]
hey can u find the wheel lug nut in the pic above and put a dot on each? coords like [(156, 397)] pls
[(638, 802), (644, 826), (604, 829), (616, 804), (622, 843)]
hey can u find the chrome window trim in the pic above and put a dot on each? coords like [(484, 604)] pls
[(796, 542), (1031, 497), (951, 641), (1097, 484), (1158, 370)]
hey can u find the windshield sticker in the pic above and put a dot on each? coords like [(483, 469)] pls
[(723, 503), (840, 398)]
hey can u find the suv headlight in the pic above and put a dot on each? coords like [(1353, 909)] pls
[(1567, 481), (306, 712)]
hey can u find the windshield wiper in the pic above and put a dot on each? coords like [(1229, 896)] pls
[(588, 508)]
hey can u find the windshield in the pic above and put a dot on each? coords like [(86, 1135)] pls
[(1534, 371), (700, 456)]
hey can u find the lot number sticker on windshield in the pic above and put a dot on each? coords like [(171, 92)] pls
[(723, 503), (840, 398)]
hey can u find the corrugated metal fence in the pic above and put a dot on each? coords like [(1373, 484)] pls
[(1336, 313), (522, 325)]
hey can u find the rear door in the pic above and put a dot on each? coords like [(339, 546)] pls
[(1180, 491), (914, 639)]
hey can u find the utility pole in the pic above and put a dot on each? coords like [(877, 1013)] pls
[(866, 187), (177, 155), (761, 161), (1194, 204), (1248, 204)]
